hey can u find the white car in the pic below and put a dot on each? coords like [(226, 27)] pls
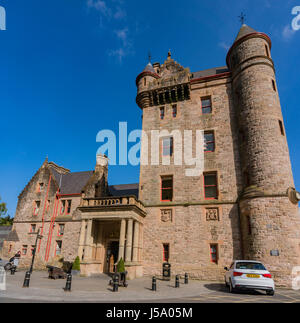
[(248, 274)]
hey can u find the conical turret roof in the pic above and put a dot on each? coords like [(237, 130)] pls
[(149, 68), (244, 31)]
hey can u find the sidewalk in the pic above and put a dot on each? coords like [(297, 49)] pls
[(95, 289)]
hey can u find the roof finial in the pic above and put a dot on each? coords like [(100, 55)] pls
[(149, 56), (169, 53), (242, 18)]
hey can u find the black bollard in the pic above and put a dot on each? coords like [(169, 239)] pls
[(186, 278), (154, 284), (116, 283), (68, 283), (26, 280), (177, 281), (12, 270)]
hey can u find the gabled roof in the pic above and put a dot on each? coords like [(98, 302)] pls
[(124, 190)]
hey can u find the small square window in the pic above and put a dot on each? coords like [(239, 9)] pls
[(33, 228), (206, 105)]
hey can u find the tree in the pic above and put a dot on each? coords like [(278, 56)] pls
[(3, 209), (4, 220), (121, 266), (76, 264)]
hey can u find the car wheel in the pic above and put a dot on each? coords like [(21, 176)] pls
[(270, 292), (8, 267), (231, 289)]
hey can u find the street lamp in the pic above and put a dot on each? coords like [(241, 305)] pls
[(28, 273)]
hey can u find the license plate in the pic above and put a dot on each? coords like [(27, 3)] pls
[(253, 276)]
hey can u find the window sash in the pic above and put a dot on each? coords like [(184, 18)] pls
[(209, 140), (167, 189), (210, 186), (167, 144)]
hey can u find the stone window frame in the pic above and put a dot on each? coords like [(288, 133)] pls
[(206, 132), (164, 251), (216, 244), (217, 185), (31, 226), (59, 232), (65, 207), (24, 250), (161, 188), (171, 146), (60, 248), (203, 98), (36, 208)]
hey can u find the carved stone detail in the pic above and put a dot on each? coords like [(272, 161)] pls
[(212, 214), (166, 215)]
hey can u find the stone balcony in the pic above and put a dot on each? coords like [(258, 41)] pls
[(112, 205)]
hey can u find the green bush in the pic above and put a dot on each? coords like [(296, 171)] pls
[(76, 264), (121, 266)]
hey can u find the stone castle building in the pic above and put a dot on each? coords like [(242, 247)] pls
[(243, 206)]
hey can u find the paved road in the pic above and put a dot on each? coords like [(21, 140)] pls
[(96, 289)]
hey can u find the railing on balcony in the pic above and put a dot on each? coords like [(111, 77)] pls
[(112, 201)]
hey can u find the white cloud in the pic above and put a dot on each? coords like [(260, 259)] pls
[(287, 33), (224, 45), (100, 6), (111, 13)]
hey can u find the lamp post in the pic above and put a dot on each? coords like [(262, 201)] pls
[(38, 236), (28, 273)]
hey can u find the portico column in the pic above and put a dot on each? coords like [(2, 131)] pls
[(129, 241), (122, 239), (136, 242), (81, 239), (88, 241)]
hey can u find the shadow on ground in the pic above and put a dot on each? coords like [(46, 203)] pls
[(221, 288)]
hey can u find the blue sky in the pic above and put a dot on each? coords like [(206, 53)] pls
[(68, 69)]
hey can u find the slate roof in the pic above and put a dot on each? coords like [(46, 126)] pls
[(245, 30), (12, 236), (210, 72), (4, 232), (73, 183), (123, 190)]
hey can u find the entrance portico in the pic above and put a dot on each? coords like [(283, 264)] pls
[(111, 229)]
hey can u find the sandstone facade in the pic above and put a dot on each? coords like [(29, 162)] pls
[(241, 207)]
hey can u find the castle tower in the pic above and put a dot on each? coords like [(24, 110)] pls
[(269, 220)]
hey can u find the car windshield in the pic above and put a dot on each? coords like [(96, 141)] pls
[(250, 265)]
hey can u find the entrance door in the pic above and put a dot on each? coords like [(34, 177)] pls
[(112, 255)]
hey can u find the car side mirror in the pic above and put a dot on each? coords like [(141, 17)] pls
[(226, 268)]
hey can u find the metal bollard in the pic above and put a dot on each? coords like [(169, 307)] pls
[(26, 280), (186, 278), (116, 283), (154, 284), (12, 270), (177, 281), (68, 283)]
